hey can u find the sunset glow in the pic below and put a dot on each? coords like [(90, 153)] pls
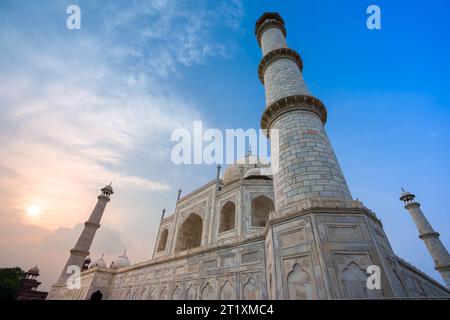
[(33, 211)]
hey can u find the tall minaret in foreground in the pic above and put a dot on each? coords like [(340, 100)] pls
[(438, 252), (83, 245), (306, 167)]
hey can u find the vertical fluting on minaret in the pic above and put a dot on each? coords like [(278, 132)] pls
[(435, 247), (306, 166), (83, 245)]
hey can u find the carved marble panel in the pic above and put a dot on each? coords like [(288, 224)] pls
[(250, 257), (292, 237), (344, 232), (299, 280)]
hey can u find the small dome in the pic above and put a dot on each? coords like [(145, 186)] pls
[(233, 172), (121, 262), (100, 263), (34, 270), (406, 195), (108, 188)]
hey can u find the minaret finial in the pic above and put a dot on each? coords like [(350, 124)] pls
[(179, 194)]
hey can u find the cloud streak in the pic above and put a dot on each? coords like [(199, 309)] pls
[(79, 109)]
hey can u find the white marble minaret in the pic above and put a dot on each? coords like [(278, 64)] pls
[(83, 245), (437, 250), (306, 167)]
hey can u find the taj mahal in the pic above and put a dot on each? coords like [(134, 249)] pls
[(253, 233)]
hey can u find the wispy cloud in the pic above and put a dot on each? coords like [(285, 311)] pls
[(81, 108)]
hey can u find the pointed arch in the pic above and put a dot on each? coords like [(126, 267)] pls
[(207, 292), (191, 293), (190, 233), (176, 293), (300, 284), (227, 292), (260, 208), (152, 295), (163, 294), (250, 290), (354, 281), (144, 295), (227, 217)]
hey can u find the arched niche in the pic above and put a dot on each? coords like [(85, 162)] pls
[(300, 284), (250, 290), (227, 292), (207, 292), (190, 233), (227, 217), (176, 293), (354, 280), (191, 293), (260, 209)]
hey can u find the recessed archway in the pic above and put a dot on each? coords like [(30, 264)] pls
[(227, 217), (261, 207), (190, 233), (163, 240), (97, 295)]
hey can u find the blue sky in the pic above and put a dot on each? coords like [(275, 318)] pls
[(80, 108)]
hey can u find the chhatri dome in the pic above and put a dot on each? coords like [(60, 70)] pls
[(250, 166), (108, 188), (34, 270), (121, 262), (100, 263)]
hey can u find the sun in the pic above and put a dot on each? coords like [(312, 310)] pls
[(33, 211)]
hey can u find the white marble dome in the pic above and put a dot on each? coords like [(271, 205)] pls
[(100, 263), (233, 172), (121, 262)]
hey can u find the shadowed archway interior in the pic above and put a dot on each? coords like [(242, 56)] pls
[(261, 207), (227, 217), (190, 234)]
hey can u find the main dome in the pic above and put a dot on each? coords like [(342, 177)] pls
[(233, 172)]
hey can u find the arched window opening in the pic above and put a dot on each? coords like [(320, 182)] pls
[(227, 217), (190, 234), (261, 207)]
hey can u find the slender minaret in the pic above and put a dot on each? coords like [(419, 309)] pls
[(81, 250), (434, 245), (306, 167)]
